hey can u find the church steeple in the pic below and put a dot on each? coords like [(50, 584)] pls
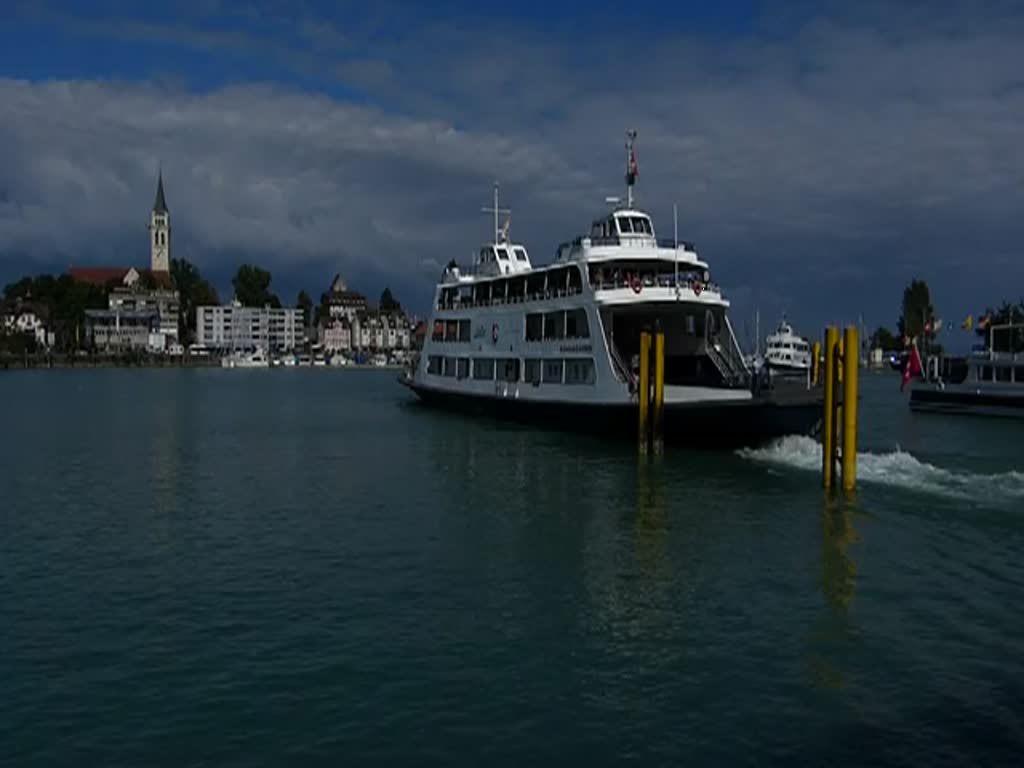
[(160, 229), (160, 205)]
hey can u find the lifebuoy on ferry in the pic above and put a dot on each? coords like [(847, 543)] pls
[(494, 333), (635, 284), (697, 288)]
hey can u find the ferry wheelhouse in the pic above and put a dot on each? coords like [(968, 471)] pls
[(559, 343)]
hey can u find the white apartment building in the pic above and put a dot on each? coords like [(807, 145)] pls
[(236, 327)]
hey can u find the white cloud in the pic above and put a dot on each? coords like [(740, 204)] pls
[(878, 149)]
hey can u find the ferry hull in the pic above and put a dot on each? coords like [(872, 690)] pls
[(711, 425), (967, 402)]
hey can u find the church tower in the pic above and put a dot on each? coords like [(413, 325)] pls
[(160, 231)]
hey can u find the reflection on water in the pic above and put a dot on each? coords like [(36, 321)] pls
[(833, 631), (651, 516)]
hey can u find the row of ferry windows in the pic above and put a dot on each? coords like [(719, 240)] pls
[(563, 324), (541, 284), (574, 370), (1000, 373)]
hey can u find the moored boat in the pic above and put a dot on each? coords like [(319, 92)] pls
[(992, 382)]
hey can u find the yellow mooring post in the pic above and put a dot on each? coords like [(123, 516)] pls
[(828, 421), (644, 390), (851, 362), (839, 364), (816, 364), (658, 416)]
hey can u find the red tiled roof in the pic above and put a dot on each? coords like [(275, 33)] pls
[(103, 275), (98, 275)]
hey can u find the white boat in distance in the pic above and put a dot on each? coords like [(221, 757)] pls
[(559, 344), (246, 359), (787, 352)]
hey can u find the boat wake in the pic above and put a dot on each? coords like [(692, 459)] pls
[(896, 468)]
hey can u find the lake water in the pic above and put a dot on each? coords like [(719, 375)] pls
[(207, 567)]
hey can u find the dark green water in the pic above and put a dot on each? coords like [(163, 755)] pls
[(251, 568)]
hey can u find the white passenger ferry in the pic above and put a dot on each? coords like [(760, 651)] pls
[(559, 344), (787, 351)]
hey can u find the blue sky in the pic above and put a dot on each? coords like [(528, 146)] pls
[(822, 154)]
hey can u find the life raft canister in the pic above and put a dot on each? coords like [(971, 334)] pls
[(635, 284), (494, 333)]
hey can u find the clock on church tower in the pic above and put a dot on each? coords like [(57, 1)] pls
[(160, 231)]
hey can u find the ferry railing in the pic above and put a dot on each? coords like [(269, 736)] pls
[(620, 366)]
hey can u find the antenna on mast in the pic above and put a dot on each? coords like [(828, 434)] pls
[(497, 211), (632, 169)]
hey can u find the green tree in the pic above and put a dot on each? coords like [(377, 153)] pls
[(917, 309), (252, 287), (388, 302), (883, 338), (305, 303), (193, 291), (65, 301)]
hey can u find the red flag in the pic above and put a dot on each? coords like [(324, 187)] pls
[(913, 367)]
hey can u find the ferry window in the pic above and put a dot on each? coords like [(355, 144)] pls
[(490, 253), (575, 281), (531, 371), (464, 331), (534, 327), (502, 254), (451, 331), (576, 324), (462, 368), (1018, 374), (638, 225), (434, 365), (552, 371), (438, 333), (985, 373), (554, 325), (579, 371), (509, 370), (624, 226), (1002, 373), (449, 366), (691, 325), (483, 369), (521, 254)]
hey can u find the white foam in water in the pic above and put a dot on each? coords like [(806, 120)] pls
[(896, 468)]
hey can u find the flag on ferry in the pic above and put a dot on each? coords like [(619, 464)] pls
[(634, 168), (968, 323), (913, 367)]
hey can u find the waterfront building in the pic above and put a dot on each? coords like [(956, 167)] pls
[(233, 326), (117, 330), (343, 302), (135, 293), (25, 317), (336, 336)]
